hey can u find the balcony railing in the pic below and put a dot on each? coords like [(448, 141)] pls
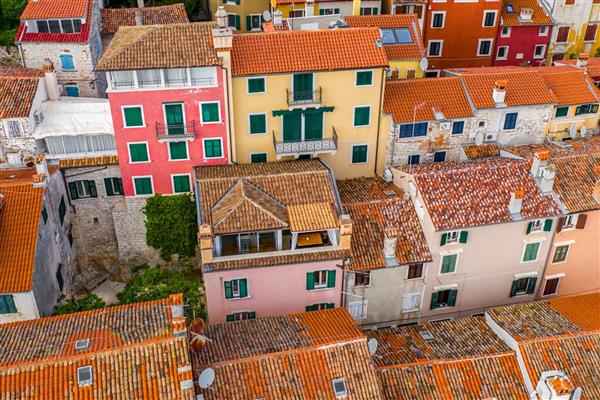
[(176, 132), (308, 146), (303, 98)]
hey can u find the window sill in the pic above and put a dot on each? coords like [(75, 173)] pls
[(321, 289), (239, 298)]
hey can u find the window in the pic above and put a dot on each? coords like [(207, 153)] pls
[(240, 316), (510, 121), (66, 62), (320, 279), (489, 18), (203, 76), (253, 21), (210, 113), (82, 344), (175, 76), (13, 129), (415, 271), (54, 26), (485, 47), (396, 36), (523, 286), (181, 184), (540, 50), (178, 151), (362, 116), (560, 254), (258, 158), (142, 185), (502, 53), (7, 304), (133, 116), (362, 278), (505, 32), (551, 286), (432, 74), (411, 302), (563, 34), (586, 109), (329, 11), (113, 186), (590, 33), (122, 79), (364, 78), (138, 152), (82, 189), (443, 298), (413, 130), (531, 251), (449, 263), (62, 210), (296, 13), (72, 90), (42, 27), (358, 309), (359, 153), (414, 159), (256, 85), (236, 288), (212, 148), (435, 48), (84, 376), (543, 30), (569, 221), (458, 127), (437, 19), (233, 21), (148, 77), (258, 123), (320, 306), (369, 11), (536, 225), (339, 388), (439, 156), (45, 214), (561, 112), (453, 237)]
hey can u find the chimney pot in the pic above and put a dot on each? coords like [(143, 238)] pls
[(390, 242), (547, 181), (51, 81), (221, 17), (526, 14), (140, 3), (582, 59), (138, 18), (345, 231), (516, 202)]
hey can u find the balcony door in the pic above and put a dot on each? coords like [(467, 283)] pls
[(292, 127), (303, 87), (313, 126), (301, 126), (174, 118)]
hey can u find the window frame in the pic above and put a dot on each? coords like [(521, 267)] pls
[(322, 284), (87, 382), (173, 176), (508, 29), (537, 255), (566, 253), (505, 57), (366, 161), (485, 14), (516, 114), (440, 42), (259, 153), (72, 86), (545, 33), (187, 151), (410, 159), (455, 263), (220, 117), (133, 178), (462, 130), (572, 218), (354, 116), (444, 152), (420, 266), (141, 108), (413, 130), (119, 187), (433, 15), (365, 278), (149, 160), (362, 71), (9, 307), (561, 108), (204, 140), (558, 28), (541, 56), (482, 40), (264, 79), (537, 225), (65, 53), (340, 394), (250, 115), (556, 278), (527, 280)]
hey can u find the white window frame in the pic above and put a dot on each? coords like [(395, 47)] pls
[(363, 307), (452, 237), (147, 152), (545, 29), (537, 225), (505, 57), (479, 47), (441, 42), (352, 152), (187, 151), (537, 256), (356, 78), (231, 13), (151, 184), (485, 12), (568, 245), (572, 218), (543, 51), (18, 124), (550, 278), (411, 296), (252, 28), (342, 394), (266, 124), (82, 344), (433, 13), (200, 103), (173, 182), (357, 273), (440, 151), (264, 78), (141, 107), (508, 30), (354, 115), (82, 194), (88, 382), (455, 264), (322, 284), (204, 148)]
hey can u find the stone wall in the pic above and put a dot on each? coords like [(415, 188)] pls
[(532, 124), (24, 146)]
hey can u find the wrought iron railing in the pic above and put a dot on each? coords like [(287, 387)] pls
[(303, 97), (307, 146), (176, 131)]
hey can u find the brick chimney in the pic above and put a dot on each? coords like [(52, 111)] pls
[(516, 202), (499, 93), (205, 241), (345, 231), (582, 59)]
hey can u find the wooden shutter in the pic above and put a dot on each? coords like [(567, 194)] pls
[(119, 185), (92, 188), (310, 281), (463, 237), (237, 21), (434, 299), (547, 225), (514, 287), (529, 228), (531, 285), (109, 187), (581, 220), (73, 191), (590, 33), (452, 297), (444, 238), (331, 278), (243, 287), (229, 318), (228, 290), (559, 226)]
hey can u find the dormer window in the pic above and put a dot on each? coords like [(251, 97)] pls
[(59, 26), (339, 388), (84, 376)]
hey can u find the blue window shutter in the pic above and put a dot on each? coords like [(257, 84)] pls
[(452, 297), (310, 281), (548, 225), (434, 300), (531, 285), (463, 237), (66, 62), (243, 288), (443, 241), (228, 290), (331, 278), (513, 288)]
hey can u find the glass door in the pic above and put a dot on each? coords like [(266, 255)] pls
[(174, 117), (292, 127), (313, 126), (303, 87)]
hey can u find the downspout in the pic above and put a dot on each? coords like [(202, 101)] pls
[(231, 149), (379, 120), (345, 285)]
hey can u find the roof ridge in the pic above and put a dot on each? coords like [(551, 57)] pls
[(449, 360)]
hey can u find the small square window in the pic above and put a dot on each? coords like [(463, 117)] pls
[(82, 344), (364, 78), (133, 117), (569, 221), (485, 47), (435, 48), (452, 237), (560, 254), (505, 31), (84, 376), (449, 263), (362, 116), (72, 90), (320, 278), (415, 271), (258, 124), (551, 286), (138, 152), (502, 53), (539, 51), (362, 278), (181, 184), (458, 127), (178, 151), (256, 85), (414, 159), (359, 154), (258, 158), (142, 185), (210, 113), (561, 112), (213, 148), (339, 387), (523, 286), (531, 252), (544, 30), (439, 156)]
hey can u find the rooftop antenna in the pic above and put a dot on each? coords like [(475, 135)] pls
[(373, 344), (206, 378)]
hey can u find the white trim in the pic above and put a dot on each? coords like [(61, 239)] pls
[(452, 251), (263, 77), (557, 285), (141, 107), (220, 120), (266, 125), (352, 153), (537, 254), (485, 12), (509, 28), (505, 57), (441, 42), (204, 148), (545, 33), (534, 239), (147, 153), (187, 151), (564, 243), (133, 178), (455, 264), (491, 40), (443, 19), (173, 182), (559, 275), (504, 122), (526, 275), (543, 51), (449, 286), (356, 78), (252, 29), (354, 116)]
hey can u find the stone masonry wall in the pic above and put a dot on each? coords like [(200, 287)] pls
[(532, 123), (25, 146)]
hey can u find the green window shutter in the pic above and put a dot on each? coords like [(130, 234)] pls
[(331, 278), (119, 185), (452, 297), (449, 263), (92, 188), (139, 152), (513, 288), (237, 19), (108, 187), (336, 10), (375, 11), (310, 281), (362, 116), (45, 214), (256, 85), (251, 315), (313, 126), (178, 150), (364, 78), (359, 154), (529, 227), (321, 12), (237, 2), (258, 158), (73, 191), (330, 305), (548, 225), (463, 237), (248, 22), (181, 184), (228, 290), (531, 285), (212, 148), (444, 239), (434, 301), (229, 318), (133, 116), (210, 112), (258, 123), (243, 288), (142, 186), (531, 251), (309, 308)]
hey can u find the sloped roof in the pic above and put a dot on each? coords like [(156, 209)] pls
[(18, 87), (113, 18), (539, 16), (45, 9), (297, 51), (312, 217), (376, 206), (484, 150), (88, 161), (160, 46), (570, 86)]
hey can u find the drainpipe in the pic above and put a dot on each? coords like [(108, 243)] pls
[(345, 285), (379, 121), (231, 149)]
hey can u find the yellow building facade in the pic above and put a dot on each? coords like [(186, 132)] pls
[(578, 23), (243, 15)]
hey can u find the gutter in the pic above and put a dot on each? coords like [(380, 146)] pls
[(380, 110), (231, 147)]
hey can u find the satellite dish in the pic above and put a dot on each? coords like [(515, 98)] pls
[(412, 188), (572, 130), (577, 394), (583, 131), (266, 15), (479, 138), (424, 64), (372, 343), (206, 378)]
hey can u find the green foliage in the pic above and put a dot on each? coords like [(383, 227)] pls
[(10, 12), (153, 283), (7, 36), (195, 8), (171, 225), (88, 302)]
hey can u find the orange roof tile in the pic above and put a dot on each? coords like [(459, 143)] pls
[(312, 217), (484, 150), (582, 310), (539, 16), (44, 9), (88, 161), (18, 87), (296, 51), (570, 86), (445, 95), (113, 18)]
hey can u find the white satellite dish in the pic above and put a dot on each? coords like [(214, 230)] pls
[(424, 64), (577, 394), (572, 131), (206, 378), (372, 343), (266, 15), (479, 138), (583, 131), (412, 188)]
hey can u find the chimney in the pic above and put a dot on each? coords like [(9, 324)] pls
[(526, 14), (41, 166), (356, 7), (547, 181), (140, 3), (221, 17), (596, 191), (345, 231), (309, 8), (582, 60), (390, 240), (52, 88), (499, 93), (516, 202), (138, 18), (277, 18), (205, 239), (540, 160)]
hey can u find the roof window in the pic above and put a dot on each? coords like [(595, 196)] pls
[(339, 388), (82, 344), (84, 375), (426, 335)]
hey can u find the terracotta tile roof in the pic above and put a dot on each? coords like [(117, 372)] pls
[(539, 16), (570, 86), (484, 150), (445, 95), (45, 9), (113, 18), (413, 51), (578, 146), (463, 360), (18, 87), (39, 360), (49, 10), (88, 162), (269, 27), (450, 190), (160, 46), (296, 51), (312, 217), (376, 206), (294, 357)]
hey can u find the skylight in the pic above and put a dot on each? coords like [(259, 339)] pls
[(84, 375), (82, 344), (510, 9), (426, 335), (396, 36), (339, 387)]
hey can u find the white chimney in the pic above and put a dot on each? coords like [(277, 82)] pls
[(309, 8), (596, 191), (221, 17), (556, 385), (582, 60), (51, 82), (140, 3), (41, 166), (540, 160), (516, 202), (547, 181), (277, 18), (526, 14), (138, 18), (390, 242), (222, 38), (499, 93)]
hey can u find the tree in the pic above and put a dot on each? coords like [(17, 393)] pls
[(10, 13), (88, 302)]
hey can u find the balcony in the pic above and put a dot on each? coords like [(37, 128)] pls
[(303, 98), (171, 133), (307, 146)]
